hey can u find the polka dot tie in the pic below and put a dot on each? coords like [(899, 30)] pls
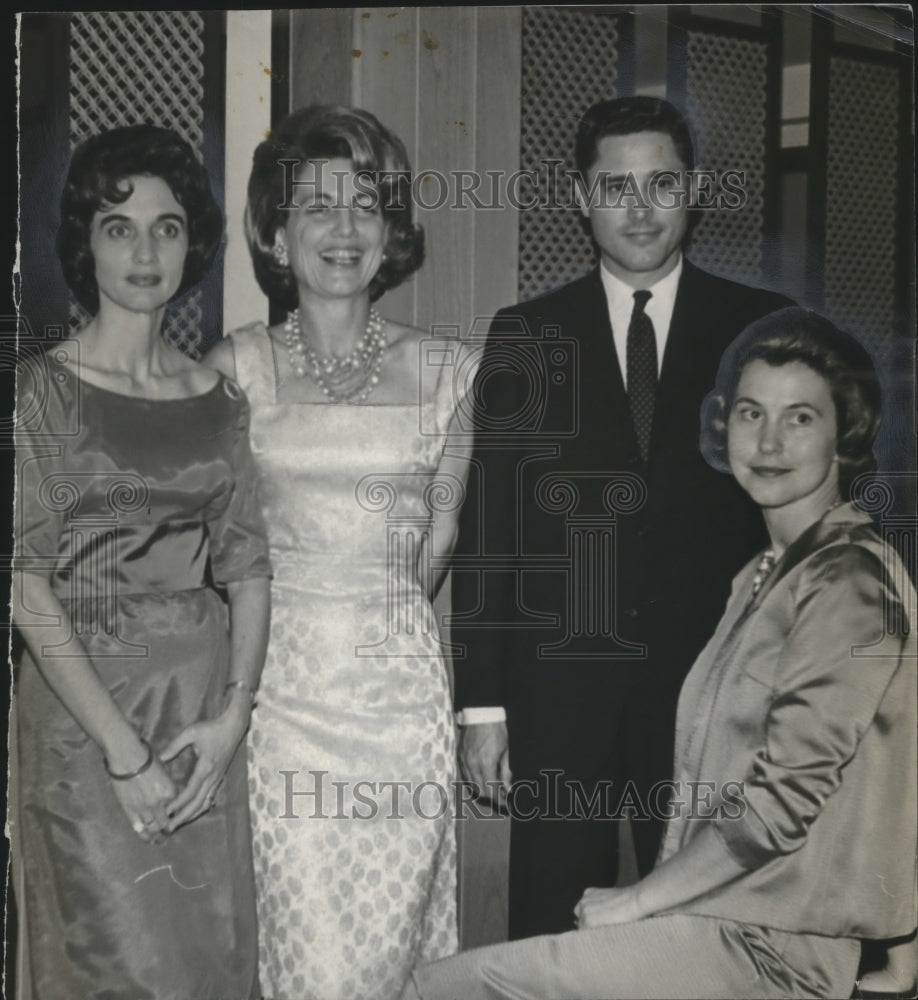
[(642, 370)]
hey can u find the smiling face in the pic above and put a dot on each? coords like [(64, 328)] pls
[(139, 247), (639, 238), (336, 238), (781, 438)]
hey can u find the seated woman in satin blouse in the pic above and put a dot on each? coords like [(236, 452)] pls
[(796, 726), (133, 693)]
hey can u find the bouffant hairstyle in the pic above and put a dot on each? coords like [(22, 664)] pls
[(626, 116), (324, 132), (99, 176), (795, 334)]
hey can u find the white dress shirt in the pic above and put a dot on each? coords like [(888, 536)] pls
[(620, 302), (659, 308)]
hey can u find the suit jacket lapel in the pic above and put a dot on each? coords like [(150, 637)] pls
[(679, 356), (595, 332), (603, 401), (683, 375)]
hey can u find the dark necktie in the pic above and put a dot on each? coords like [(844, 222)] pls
[(642, 370)]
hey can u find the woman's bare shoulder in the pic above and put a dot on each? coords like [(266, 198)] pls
[(403, 336), (190, 376), (222, 358)]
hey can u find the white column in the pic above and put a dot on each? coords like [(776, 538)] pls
[(248, 118)]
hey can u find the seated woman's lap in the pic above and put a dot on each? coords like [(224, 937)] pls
[(675, 955)]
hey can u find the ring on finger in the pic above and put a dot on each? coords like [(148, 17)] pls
[(138, 826)]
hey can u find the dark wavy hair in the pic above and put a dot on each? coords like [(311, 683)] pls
[(626, 116), (325, 131), (795, 334), (98, 171)]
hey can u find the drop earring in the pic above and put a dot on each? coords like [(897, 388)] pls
[(279, 253)]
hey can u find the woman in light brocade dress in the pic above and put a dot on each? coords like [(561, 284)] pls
[(351, 749)]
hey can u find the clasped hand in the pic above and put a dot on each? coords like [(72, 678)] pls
[(145, 799), (214, 743), (154, 805), (602, 907)]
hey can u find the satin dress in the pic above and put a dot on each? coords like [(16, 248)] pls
[(351, 748), (131, 506)]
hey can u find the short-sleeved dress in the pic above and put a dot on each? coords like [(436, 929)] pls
[(132, 507), (352, 740)]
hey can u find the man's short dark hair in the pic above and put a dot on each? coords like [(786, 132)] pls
[(98, 171), (626, 116)]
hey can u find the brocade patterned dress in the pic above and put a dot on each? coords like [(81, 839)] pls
[(130, 506), (351, 748)]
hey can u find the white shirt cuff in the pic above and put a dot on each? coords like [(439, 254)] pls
[(480, 714)]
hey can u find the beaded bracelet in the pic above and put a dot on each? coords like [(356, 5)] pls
[(145, 766), (244, 687)]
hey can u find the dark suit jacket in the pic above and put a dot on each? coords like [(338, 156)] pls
[(552, 403)]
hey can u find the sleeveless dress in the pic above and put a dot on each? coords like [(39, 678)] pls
[(351, 749), (129, 505)]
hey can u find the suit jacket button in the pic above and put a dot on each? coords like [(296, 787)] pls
[(631, 612)]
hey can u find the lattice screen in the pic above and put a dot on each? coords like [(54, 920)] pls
[(569, 63), (133, 67), (861, 206), (726, 94)]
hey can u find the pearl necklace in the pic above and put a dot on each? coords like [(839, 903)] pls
[(343, 380), (763, 570)]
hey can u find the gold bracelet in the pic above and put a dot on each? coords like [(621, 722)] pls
[(244, 687), (145, 766)]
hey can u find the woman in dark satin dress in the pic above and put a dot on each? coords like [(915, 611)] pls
[(133, 691)]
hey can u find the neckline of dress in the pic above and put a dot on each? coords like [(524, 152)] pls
[(353, 406), (145, 399)]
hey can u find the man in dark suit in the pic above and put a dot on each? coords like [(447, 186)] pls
[(596, 546)]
